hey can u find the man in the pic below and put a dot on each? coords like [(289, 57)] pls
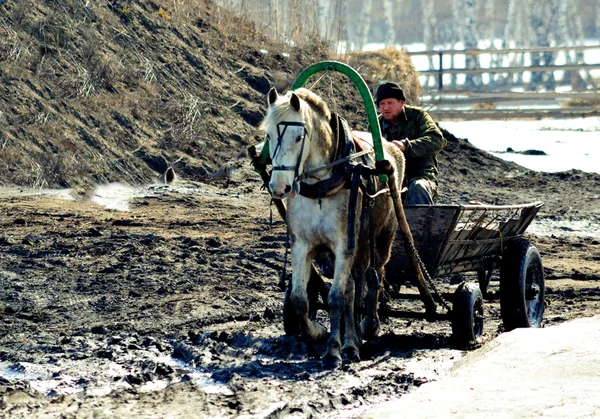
[(414, 132)]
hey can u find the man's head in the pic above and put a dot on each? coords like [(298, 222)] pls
[(390, 100)]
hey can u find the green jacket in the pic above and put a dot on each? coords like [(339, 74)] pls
[(425, 141)]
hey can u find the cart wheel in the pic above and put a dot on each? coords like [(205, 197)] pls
[(521, 285), (467, 314)]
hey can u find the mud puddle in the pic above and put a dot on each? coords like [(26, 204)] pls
[(67, 378), (580, 228), (268, 371), (119, 196)]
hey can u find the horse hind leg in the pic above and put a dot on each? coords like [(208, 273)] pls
[(374, 276), (369, 326)]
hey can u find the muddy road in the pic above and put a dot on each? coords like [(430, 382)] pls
[(166, 303)]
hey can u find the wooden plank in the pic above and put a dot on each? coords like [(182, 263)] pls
[(445, 114), (430, 227), (504, 50), (541, 68)]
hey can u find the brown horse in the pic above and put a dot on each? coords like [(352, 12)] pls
[(301, 140)]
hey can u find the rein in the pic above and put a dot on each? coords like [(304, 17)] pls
[(351, 157)]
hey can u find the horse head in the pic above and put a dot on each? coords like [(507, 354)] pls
[(293, 121)]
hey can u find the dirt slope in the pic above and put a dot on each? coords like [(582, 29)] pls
[(119, 90)]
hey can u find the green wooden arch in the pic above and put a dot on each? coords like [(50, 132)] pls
[(363, 90)]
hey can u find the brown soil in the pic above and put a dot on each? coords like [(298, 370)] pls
[(172, 308), (184, 286)]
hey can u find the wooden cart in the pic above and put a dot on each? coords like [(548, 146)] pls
[(454, 239)]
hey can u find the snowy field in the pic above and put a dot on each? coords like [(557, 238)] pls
[(568, 143)]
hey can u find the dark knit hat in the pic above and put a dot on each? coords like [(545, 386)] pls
[(387, 91)]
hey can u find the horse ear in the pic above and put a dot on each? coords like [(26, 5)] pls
[(295, 101), (272, 96)]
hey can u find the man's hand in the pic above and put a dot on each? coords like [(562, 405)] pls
[(400, 144)]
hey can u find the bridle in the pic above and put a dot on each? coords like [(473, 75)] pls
[(280, 134)]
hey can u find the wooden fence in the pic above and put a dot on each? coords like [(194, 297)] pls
[(582, 85)]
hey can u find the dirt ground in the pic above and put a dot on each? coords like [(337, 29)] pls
[(171, 307), (168, 304)]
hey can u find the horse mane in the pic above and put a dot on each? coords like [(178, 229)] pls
[(314, 102), (312, 99)]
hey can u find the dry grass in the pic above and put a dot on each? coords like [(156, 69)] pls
[(389, 64), (582, 103), (185, 115), (42, 170), (484, 106)]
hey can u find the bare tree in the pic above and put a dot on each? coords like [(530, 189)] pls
[(322, 17), (575, 33), (390, 30), (487, 32), (543, 16), (275, 19), (429, 26), (341, 33), (457, 35), (470, 41), (365, 26), (597, 20)]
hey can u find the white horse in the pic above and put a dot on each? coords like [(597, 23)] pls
[(300, 140)]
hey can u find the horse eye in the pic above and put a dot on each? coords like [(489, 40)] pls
[(298, 138)]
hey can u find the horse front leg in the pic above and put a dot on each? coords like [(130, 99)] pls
[(341, 308), (301, 267)]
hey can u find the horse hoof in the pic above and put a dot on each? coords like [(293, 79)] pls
[(430, 313), (321, 333), (331, 362), (351, 354), (369, 331)]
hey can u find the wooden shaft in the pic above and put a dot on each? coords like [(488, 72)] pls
[(280, 208), (430, 305)]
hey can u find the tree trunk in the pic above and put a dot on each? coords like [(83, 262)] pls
[(576, 35), (429, 26), (470, 41), (457, 36), (390, 30), (365, 25)]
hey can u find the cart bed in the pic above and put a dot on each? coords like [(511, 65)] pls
[(458, 238)]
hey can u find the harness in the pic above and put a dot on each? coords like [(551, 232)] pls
[(342, 165), (280, 133), (346, 173)]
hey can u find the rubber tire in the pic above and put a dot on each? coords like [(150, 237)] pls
[(521, 278), (467, 314)]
